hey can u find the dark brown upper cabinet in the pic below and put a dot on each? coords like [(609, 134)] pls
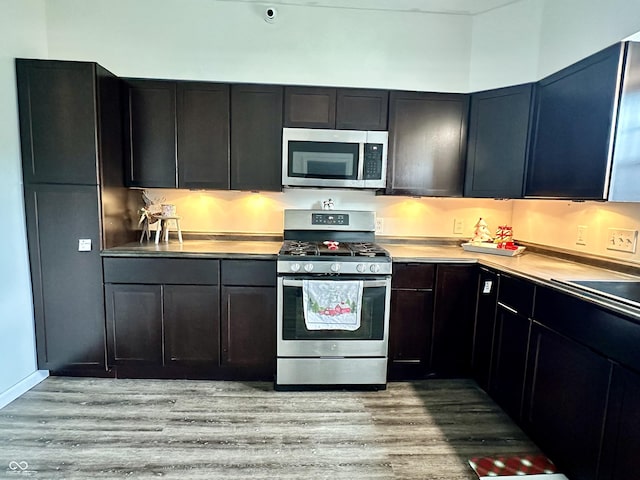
[(497, 147), (427, 143), (203, 135), (574, 118), (58, 121), (151, 134), (256, 137), (360, 109), (342, 108), (178, 134)]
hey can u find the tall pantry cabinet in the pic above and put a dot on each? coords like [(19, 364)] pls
[(75, 204)]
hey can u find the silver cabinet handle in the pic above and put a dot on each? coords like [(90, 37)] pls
[(508, 308), (288, 282)]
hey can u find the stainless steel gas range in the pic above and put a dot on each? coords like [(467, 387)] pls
[(334, 290)]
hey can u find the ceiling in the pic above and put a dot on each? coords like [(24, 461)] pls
[(451, 7)]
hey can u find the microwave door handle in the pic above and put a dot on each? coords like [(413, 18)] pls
[(288, 282), (360, 160)]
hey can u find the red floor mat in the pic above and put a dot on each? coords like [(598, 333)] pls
[(500, 466)]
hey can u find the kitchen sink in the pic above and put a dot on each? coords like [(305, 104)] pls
[(625, 291)]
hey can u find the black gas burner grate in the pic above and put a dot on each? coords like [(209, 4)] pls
[(330, 248)]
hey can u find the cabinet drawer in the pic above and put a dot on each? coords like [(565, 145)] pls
[(612, 335), (413, 275), (187, 271), (249, 272), (517, 294)]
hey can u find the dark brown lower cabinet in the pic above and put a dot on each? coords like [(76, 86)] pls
[(621, 435), (410, 320), (567, 387), (163, 325), (163, 316), (431, 320), (248, 319), (67, 284), (509, 360), (191, 325), (249, 331), (483, 332), (134, 323), (454, 307)]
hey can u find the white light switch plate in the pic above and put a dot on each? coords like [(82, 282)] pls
[(622, 240), (84, 245)]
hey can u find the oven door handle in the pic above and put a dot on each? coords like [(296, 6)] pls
[(288, 282)]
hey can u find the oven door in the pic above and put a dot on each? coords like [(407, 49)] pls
[(370, 340)]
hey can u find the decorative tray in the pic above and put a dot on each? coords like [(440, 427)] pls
[(492, 248)]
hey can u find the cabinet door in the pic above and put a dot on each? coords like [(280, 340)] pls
[(359, 109), (574, 115), (256, 137), (497, 148), (203, 135), (191, 320), (57, 121), (484, 327), (567, 388), (453, 320), (151, 134), (67, 284), (249, 331), (310, 107), (622, 431), (427, 142), (509, 360), (134, 323), (410, 325), (410, 320)]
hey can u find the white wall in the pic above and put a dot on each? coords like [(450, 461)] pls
[(574, 29), (22, 34), (230, 41), (505, 45)]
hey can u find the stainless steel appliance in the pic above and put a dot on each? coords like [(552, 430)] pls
[(334, 158), (624, 291), (335, 247)]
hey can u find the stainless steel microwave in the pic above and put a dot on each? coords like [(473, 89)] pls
[(334, 158)]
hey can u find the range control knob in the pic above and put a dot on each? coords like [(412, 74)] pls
[(360, 267), (308, 267), (375, 268), (335, 267), (295, 267)]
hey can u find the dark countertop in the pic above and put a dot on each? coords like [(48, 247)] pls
[(535, 267)]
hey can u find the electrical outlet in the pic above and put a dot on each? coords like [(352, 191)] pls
[(84, 244), (458, 226), (379, 224), (622, 240), (581, 237)]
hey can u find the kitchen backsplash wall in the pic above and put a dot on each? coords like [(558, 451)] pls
[(552, 223), (246, 212), (555, 223)]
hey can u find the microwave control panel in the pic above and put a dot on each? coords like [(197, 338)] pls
[(330, 219), (373, 161)]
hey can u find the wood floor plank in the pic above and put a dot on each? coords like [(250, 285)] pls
[(84, 428)]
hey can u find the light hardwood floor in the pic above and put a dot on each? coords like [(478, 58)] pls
[(80, 428)]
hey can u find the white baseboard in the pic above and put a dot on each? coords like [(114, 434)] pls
[(22, 386)]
